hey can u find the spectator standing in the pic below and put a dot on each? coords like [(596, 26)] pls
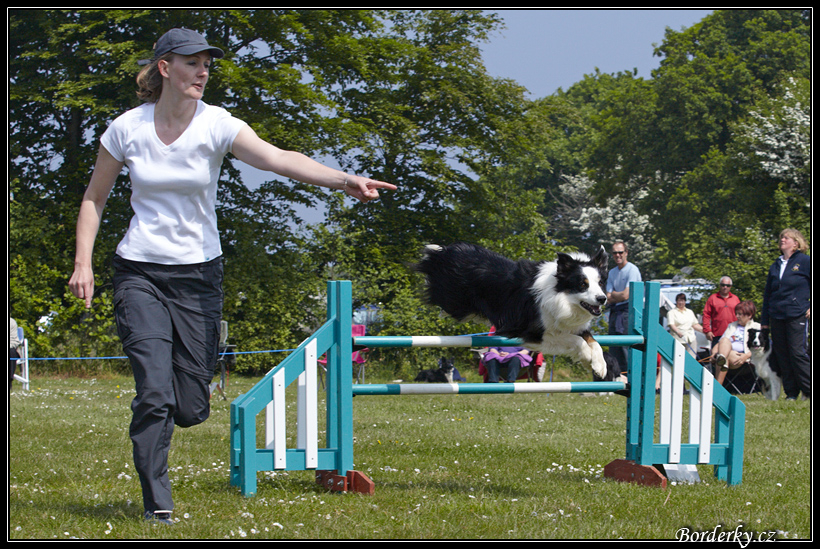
[(787, 311), (617, 298), (719, 311)]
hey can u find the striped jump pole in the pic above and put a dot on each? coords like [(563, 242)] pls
[(487, 388), (714, 413), (473, 341)]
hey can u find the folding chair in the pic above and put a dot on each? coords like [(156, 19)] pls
[(738, 381), (22, 350), (743, 380), (358, 354), (357, 357)]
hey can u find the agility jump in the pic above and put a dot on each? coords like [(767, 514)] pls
[(710, 405)]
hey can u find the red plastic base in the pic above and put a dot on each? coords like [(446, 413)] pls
[(622, 470), (354, 481), (625, 470)]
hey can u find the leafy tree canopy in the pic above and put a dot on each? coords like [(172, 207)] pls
[(699, 166)]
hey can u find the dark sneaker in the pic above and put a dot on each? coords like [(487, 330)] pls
[(158, 517)]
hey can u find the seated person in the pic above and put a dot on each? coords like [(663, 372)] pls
[(514, 358), (732, 351)]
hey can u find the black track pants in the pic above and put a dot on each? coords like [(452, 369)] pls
[(168, 320)]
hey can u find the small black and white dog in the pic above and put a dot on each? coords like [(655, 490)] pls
[(444, 373), (759, 347), (547, 304)]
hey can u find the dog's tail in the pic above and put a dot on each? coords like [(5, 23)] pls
[(440, 267)]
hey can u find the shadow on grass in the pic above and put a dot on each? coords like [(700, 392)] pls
[(103, 511)]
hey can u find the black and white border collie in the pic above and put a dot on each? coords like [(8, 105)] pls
[(760, 349), (444, 373), (547, 304)]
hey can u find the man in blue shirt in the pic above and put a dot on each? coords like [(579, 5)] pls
[(617, 295)]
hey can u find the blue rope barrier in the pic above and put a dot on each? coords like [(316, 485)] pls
[(125, 357), (479, 339)]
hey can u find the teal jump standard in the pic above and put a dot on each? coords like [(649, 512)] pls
[(713, 412)]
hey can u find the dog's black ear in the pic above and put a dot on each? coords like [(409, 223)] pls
[(601, 259), (564, 263)]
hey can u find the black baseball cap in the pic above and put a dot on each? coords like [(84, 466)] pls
[(183, 42)]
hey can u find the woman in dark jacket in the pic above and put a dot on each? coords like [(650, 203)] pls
[(786, 312)]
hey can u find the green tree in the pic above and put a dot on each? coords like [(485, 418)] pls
[(400, 95), (713, 72), (417, 117), (63, 66)]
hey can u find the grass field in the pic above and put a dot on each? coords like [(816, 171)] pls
[(445, 467)]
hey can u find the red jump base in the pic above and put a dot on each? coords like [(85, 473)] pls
[(625, 470), (354, 481)]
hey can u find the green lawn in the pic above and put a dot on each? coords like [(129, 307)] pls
[(445, 467)]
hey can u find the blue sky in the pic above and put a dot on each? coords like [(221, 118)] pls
[(547, 49)]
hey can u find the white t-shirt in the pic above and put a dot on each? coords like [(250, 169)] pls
[(683, 321), (173, 187)]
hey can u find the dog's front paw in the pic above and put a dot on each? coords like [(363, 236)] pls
[(598, 364)]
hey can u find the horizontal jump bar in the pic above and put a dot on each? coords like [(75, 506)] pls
[(488, 388), (476, 341)]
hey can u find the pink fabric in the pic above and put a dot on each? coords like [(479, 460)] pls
[(358, 356), (513, 351)]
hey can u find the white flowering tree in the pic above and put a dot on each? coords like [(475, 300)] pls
[(777, 138), (616, 218)]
